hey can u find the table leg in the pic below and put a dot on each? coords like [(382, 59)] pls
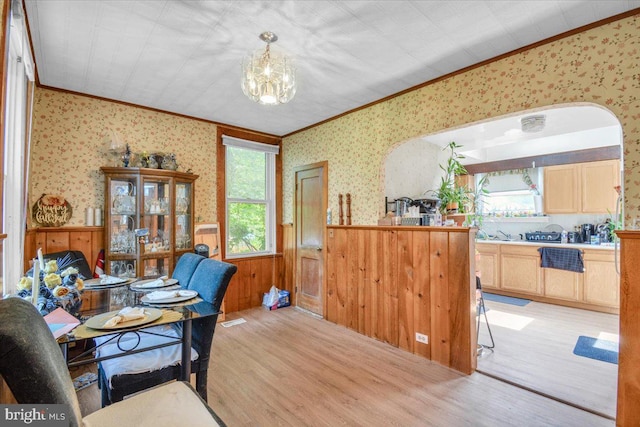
[(186, 350)]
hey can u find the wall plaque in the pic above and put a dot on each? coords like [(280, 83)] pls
[(51, 211)]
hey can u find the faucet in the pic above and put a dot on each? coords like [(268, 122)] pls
[(506, 235)]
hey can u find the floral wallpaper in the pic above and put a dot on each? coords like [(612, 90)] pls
[(68, 148), (598, 66)]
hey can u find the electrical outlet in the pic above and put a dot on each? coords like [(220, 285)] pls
[(424, 339)]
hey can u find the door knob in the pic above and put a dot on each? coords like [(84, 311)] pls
[(318, 249)]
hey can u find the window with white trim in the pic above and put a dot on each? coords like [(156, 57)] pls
[(250, 198), (20, 72)]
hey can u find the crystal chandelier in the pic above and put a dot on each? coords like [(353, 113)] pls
[(268, 77)]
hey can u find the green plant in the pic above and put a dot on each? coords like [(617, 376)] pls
[(476, 217), (614, 224), (448, 192)]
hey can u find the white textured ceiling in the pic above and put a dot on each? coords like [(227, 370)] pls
[(184, 56), (567, 128)]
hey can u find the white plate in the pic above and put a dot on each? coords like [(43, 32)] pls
[(184, 296), (95, 284), (97, 322), (140, 284)]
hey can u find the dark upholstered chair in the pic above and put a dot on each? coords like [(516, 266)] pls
[(32, 365), (71, 258), (185, 268), (210, 279)]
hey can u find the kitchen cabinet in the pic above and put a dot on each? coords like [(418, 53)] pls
[(601, 282), (149, 220), (513, 269), (520, 269), (562, 284), (581, 187), (487, 264)]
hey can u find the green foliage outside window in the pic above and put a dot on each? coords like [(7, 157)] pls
[(247, 208)]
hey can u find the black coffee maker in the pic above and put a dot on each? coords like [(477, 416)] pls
[(586, 231)]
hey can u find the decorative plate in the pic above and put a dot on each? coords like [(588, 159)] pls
[(97, 322), (182, 295), (149, 284)]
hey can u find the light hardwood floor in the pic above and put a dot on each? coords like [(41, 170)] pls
[(540, 355), (288, 368)]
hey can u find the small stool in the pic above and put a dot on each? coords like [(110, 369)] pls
[(482, 310)]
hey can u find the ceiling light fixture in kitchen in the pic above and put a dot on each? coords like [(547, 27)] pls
[(533, 123), (268, 77)]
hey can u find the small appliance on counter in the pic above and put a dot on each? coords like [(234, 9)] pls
[(551, 233), (544, 236), (602, 230), (587, 230), (400, 206), (575, 237)]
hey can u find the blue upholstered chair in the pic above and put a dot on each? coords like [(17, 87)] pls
[(185, 268), (211, 279), (33, 367)]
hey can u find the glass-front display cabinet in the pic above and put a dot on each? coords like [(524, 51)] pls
[(149, 220)]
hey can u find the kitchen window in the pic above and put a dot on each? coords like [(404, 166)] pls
[(512, 193), (250, 197)]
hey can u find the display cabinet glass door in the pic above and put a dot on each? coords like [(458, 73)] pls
[(122, 216), (155, 267), (184, 198), (157, 216)]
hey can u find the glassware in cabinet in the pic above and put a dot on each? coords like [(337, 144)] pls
[(157, 215), (149, 220), (155, 267), (183, 215)]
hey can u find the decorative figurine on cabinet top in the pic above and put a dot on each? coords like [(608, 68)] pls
[(169, 162)]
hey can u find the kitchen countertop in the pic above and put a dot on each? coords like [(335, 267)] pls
[(605, 247)]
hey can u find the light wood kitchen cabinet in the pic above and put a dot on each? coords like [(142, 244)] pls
[(561, 194), (601, 282), (581, 187), (514, 270), (488, 262), (562, 284), (520, 269)]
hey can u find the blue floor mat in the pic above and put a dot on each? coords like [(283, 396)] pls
[(506, 300), (593, 348)]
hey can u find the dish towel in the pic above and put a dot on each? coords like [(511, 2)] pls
[(562, 259)]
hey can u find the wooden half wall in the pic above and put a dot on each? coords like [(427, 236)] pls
[(88, 240), (390, 283), (628, 409)]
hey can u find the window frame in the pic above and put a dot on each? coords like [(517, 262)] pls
[(220, 191)]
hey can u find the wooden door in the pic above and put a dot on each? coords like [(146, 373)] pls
[(310, 218)]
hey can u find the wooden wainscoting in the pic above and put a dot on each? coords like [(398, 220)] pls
[(289, 259), (390, 283), (254, 278), (628, 411), (88, 240), (256, 275)]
